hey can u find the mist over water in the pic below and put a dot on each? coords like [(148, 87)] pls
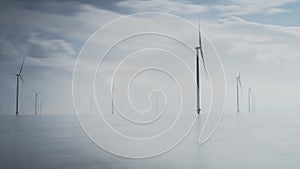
[(259, 140)]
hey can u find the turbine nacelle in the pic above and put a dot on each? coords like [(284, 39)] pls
[(238, 75)]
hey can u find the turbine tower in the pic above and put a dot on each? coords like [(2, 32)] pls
[(36, 94), (199, 48), (19, 75), (253, 101), (249, 99), (238, 88)]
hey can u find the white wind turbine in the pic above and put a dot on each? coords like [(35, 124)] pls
[(199, 48), (253, 102), (250, 100), (238, 89), (19, 76)]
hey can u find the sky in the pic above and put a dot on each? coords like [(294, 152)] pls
[(258, 38)]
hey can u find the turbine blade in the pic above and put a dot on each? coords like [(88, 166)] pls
[(200, 46), (203, 60), (240, 83), (22, 79), (199, 35), (22, 65), (250, 93), (36, 91)]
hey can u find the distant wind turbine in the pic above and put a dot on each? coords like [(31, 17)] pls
[(199, 48), (36, 94), (238, 88), (19, 75), (251, 101)]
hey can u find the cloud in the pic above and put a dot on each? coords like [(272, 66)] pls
[(174, 7), (76, 26), (40, 51), (44, 47), (231, 8), (276, 10), (7, 49), (270, 46), (246, 7)]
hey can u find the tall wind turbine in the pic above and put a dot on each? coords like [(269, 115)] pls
[(36, 94), (19, 76), (249, 99), (199, 48), (238, 88)]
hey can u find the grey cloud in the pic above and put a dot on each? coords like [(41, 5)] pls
[(238, 8), (175, 7)]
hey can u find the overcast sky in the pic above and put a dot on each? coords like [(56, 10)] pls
[(259, 38)]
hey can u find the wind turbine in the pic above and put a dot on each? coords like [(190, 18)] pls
[(36, 93), (19, 75), (253, 101), (249, 99), (199, 48), (238, 88)]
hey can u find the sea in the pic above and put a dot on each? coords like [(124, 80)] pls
[(242, 141)]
